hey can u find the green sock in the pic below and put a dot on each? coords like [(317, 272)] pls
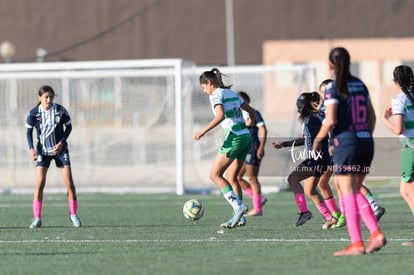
[(372, 201), (226, 189)]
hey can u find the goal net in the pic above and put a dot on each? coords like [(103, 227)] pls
[(133, 121)]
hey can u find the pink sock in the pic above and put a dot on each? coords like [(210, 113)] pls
[(323, 209), (249, 192), (352, 217), (37, 209), (342, 206), (301, 202), (366, 213), (257, 203), (331, 205), (73, 206)]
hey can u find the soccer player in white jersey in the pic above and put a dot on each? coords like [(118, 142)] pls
[(227, 108), (402, 124), (53, 126)]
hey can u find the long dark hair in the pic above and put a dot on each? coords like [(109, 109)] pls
[(244, 96), (310, 103), (341, 61), (403, 76), (215, 77)]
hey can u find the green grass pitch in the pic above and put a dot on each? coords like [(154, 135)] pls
[(148, 234)]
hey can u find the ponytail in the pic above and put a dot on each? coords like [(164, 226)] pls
[(341, 61), (215, 77), (403, 76), (311, 103)]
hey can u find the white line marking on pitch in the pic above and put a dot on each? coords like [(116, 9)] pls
[(212, 239)]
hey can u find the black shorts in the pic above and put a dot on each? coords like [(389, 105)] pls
[(62, 159), (353, 156), (317, 167), (251, 158)]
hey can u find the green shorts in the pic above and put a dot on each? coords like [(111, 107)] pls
[(236, 147), (407, 164)]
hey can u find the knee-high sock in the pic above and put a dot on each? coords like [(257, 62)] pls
[(301, 202), (342, 206), (240, 196), (231, 197), (331, 203), (257, 202), (37, 209), (372, 201), (249, 192), (352, 217), (73, 206), (323, 209), (366, 213)]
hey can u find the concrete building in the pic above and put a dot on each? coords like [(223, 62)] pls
[(373, 60), (76, 30)]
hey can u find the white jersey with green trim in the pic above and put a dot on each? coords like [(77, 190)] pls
[(401, 105), (233, 118)]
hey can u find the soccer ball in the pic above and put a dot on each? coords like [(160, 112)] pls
[(193, 210)]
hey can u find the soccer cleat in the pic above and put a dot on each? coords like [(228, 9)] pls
[(329, 224), (238, 213), (226, 224), (341, 222), (303, 218), (75, 220), (354, 249), (264, 200), (36, 223), (376, 242), (336, 215), (242, 221), (237, 218), (379, 212)]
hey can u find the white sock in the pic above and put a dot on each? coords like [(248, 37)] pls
[(232, 199)]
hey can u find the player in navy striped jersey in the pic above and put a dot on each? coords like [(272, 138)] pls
[(313, 163), (402, 124), (250, 169), (53, 126), (350, 117)]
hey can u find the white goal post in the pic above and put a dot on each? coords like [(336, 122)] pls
[(115, 104), (133, 120)]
